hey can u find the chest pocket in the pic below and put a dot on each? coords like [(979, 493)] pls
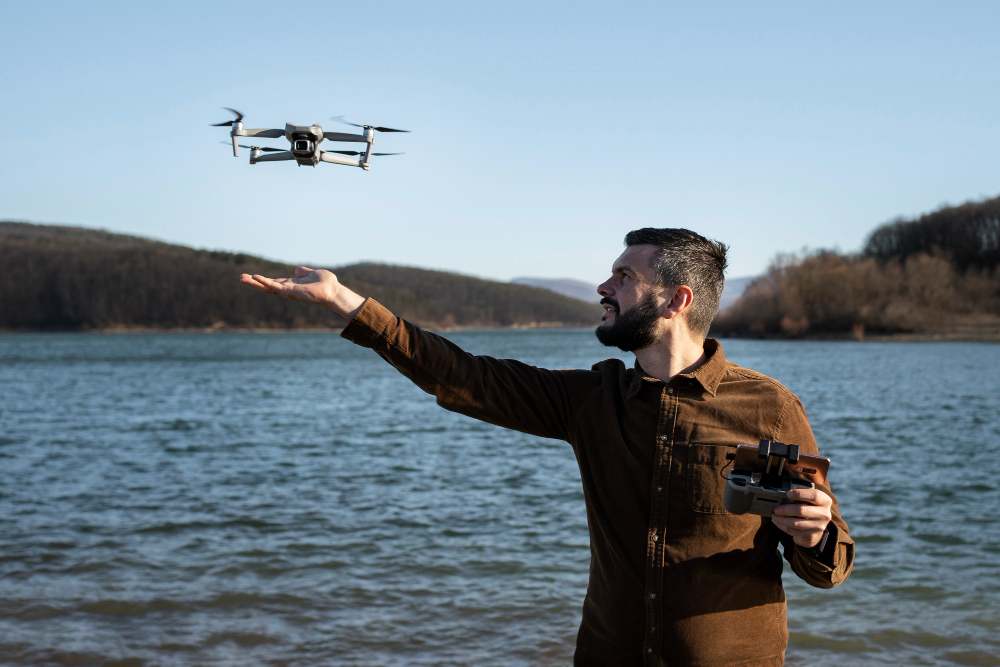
[(705, 484)]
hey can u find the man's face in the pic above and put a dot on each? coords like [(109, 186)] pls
[(631, 306)]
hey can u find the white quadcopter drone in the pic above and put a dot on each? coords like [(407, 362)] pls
[(305, 140)]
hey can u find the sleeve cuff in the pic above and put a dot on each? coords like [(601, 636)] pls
[(368, 324), (818, 550), (822, 557)]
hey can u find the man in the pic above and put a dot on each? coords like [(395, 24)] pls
[(674, 578)]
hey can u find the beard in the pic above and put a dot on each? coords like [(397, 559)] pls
[(633, 330)]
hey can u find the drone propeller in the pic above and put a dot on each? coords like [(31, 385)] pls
[(340, 119), (265, 149), (357, 153), (238, 119)]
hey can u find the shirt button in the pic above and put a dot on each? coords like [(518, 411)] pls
[(652, 596), (655, 537), (649, 650), (664, 438), (659, 488), (670, 390)]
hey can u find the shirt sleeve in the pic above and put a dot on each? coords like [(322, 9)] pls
[(504, 392), (832, 565)]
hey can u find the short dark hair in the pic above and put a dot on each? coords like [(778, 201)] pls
[(687, 258)]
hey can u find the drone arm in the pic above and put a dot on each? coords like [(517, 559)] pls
[(270, 134), (337, 159), (341, 136), (275, 157)]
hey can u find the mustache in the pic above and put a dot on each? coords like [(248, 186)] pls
[(614, 303)]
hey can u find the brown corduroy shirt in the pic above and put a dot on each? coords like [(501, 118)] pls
[(674, 578)]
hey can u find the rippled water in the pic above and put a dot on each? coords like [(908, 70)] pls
[(289, 499)]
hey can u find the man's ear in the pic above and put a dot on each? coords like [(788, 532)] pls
[(678, 298)]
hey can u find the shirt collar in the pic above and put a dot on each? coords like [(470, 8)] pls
[(708, 375)]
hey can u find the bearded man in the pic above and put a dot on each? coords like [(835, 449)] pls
[(674, 578)]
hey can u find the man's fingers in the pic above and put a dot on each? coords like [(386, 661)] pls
[(800, 510), (247, 279), (786, 524), (265, 284), (804, 533), (805, 520), (806, 538), (792, 523), (272, 286), (813, 496)]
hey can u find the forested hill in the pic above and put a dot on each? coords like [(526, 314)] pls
[(71, 278), (936, 276)]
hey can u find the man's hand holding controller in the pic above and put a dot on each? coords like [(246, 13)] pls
[(806, 519), (774, 479)]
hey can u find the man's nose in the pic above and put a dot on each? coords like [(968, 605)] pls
[(605, 288)]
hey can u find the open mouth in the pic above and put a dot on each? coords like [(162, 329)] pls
[(610, 306)]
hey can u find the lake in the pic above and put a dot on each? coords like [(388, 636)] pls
[(234, 499)]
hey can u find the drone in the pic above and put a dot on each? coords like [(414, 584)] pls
[(305, 141)]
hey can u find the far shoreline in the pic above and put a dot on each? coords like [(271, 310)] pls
[(940, 337), (223, 329), (903, 337)]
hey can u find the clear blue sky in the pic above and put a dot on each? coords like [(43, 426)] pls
[(542, 132)]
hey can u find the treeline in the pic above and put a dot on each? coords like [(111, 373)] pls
[(968, 235), (935, 274), (68, 278), (448, 299)]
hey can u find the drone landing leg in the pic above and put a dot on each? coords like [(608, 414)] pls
[(237, 127), (370, 138)]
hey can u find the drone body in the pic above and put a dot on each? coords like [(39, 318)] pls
[(305, 143)]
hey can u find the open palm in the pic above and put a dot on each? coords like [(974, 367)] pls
[(309, 285)]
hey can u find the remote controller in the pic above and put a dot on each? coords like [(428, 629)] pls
[(745, 494), (762, 476)]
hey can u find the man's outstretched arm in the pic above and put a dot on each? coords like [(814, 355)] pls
[(310, 286), (500, 391)]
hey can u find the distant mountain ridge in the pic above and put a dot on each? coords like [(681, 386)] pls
[(584, 291), (74, 278), (574, 289), (733, 290)]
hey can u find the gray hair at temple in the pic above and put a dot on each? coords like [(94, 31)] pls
[(687, 258)]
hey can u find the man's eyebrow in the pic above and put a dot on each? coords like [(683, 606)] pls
[(623, 268)]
